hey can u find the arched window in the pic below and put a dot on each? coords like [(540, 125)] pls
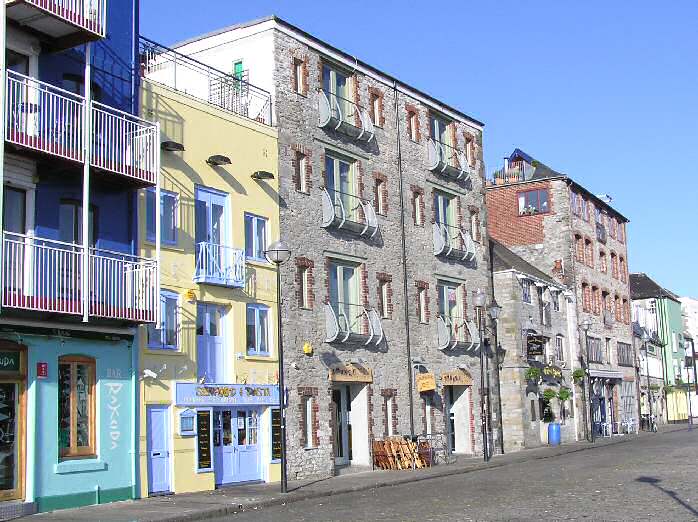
[(76, 406)]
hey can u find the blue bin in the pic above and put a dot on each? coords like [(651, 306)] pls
[(554, 434)]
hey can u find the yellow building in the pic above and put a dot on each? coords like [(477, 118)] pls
[(208, 396)]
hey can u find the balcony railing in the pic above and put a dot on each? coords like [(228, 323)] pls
[(46, 275), (601, 234), (349, 212), (455, 331), (219, 265), (344, 116), (450, 241), (447, 160), (513, 174), (346, 322), (50, 120), (182, 73), (78, 20)]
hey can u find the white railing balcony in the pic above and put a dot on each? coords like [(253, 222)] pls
[(348, 212), (456, 332), (450, 241), (447, 160), (50, 120), (44, 275), (73, 21), (345, 116), (351, 322), (219, 265)]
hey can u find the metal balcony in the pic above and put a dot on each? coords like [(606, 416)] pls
[(345, 322), (219, 265), (50, 120), (453, 242), (345, 116), (44, 275), (67, 22), (446, 160), (348, 212), (456, 332)]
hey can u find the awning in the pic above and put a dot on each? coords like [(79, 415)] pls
[(606, 374)]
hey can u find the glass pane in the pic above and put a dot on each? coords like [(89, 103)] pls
[(201, 221), (66, 223), (200, 319), (14, 210), (326, 78), (216, 223), (242, 428), (168, 217), (217, 428), (214, 321), (150, 214), (251, 332), (82, 392), (261, 242), (170, 326), (329, 174), (334, 283), (252, 424), (227, 427), (543, 200), (63, 407), (8, 441), (249, 237), (263, 331)]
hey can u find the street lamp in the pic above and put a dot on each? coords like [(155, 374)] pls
[(480, 299), (586, 324), (278, 253), (499, 353), (645, 340)]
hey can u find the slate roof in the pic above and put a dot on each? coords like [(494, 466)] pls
[(505, 259), (643, 286)]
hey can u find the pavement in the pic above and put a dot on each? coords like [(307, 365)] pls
[(509, 475)]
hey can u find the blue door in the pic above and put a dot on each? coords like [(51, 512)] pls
[(247, 445), (225, 462), (209, 344), (158, 447)]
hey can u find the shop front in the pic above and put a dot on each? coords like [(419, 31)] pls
[(458, 389), (606, 405)]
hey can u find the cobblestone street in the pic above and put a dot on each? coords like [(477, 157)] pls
[(648, 478)]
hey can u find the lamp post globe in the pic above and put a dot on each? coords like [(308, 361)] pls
[(278, 253)]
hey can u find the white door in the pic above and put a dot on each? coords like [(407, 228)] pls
[(210, 352), (459, 419), (158, 447)]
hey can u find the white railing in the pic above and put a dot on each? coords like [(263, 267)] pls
[(452, 241), (41, 274), (43, 117), (46, 275), (122, 286), (124, 144), (219, 265), (344, 115), (90, 15), (447, 160)]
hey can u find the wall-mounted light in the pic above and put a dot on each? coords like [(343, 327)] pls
[(218, 160), (262, 174), (172, 146)]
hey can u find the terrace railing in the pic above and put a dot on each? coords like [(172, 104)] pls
[(65, 16), (451, 241), (346, 320), (344, 115), (347, 211), (219, 265), (447, 160)]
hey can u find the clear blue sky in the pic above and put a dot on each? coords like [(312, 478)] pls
[(606, 92)]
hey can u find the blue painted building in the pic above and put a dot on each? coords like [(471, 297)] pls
[(73, 290)]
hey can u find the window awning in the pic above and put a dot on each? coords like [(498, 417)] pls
[(606, 374)]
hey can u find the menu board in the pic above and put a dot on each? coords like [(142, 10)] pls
[(276, 434), (203, 442)]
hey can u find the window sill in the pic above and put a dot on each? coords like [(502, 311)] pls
[(310, 448), (258, 262), (174, 247), (78, 465), (267, 358), (162, 351)]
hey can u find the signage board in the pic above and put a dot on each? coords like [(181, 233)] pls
[(193, 394), (203, 441), (535, 345), (425, 382), (351, 373), (41, 370), (456, 378), (276, 434), (551, 374), (9, 361)]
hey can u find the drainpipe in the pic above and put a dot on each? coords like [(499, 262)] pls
[(404, 262)]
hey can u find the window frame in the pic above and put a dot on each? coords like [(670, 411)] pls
[(375, 105), (301, 168), (299, 76), (165, 297), (422, 304), (523, 194), (413, 126), (75, 451), (150, 234), (255, 218), (383, 299), (255, 351), (560, 347), (526, 294), (308, 422), (304, 287), (418, 202), (381, 201)]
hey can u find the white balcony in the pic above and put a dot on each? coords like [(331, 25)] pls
[(50, 120), (44, 275), (347, 322), (219, 265), (454, 332), (345, 116), (453, 242), (72, 21), (348, 212), (446, 160)]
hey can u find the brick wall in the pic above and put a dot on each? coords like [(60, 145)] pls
[(505, 225)]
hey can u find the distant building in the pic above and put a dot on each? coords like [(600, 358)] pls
[(650, 352)]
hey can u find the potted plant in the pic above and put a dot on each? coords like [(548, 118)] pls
[(533, 375), (578, 376)]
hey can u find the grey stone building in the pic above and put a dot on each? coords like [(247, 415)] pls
[(382, 205), (535, 375), (579, 239)]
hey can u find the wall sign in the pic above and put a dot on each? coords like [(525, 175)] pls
[(275, 434), (193, 394), (203, 441), (351, 373), (551, 374), (535, 345), (9, 361), (41, 370), (456, 378), (425, 382)]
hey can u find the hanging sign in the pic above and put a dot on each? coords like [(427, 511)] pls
[(351, 373), (535, 345), (551, 374), (456, 378), (425, 382)]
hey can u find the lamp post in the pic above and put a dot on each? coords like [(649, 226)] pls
[(278, 253), (480, 298), (586, 324), (645, 340), (499, 354)]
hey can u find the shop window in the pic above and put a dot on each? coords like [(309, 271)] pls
[(168, 216), (255, 237), (257, 330), (76, 406)]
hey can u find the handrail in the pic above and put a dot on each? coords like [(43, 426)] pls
[(219, 264), (73, 11)]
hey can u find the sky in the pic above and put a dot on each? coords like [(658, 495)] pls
[(605, 92)]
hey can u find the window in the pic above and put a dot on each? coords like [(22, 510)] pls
[(444, 209), (167, 336), (526, 290), (626, 311), (595, 350), (621, 232), (384, 298), (337, 86), (533, 202), (255, 237), (579, 250), (596, 295), (340, 183), (389, 416), (575, 203), (614, 265), (589, 252), (381, 202), (607, 350), (168, 216), (257, 330), (439, 130), (345, 295), (76, 84), (14, 210), (418, 207), (17, 62), (300, 172), (376, 108), (555, 299), (603, 262), (70, 223), (586, 297), (559, 348), (76, 406), (422, 304), (413, 125), (299, 76), (625, 355), (612, 227), (304, 287), (308, 432), (475, 225), (585, 209), (622, 269)]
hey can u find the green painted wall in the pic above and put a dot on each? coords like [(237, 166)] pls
[(671, 333)]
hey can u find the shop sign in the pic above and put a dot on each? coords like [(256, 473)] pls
[(351, 373), (9, 361), (203, 441), (535, 345), (551, 374), (456, 378), (192, 394), (425, 382)]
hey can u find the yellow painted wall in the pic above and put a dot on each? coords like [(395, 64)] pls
[(677, 406), (205, 130)]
